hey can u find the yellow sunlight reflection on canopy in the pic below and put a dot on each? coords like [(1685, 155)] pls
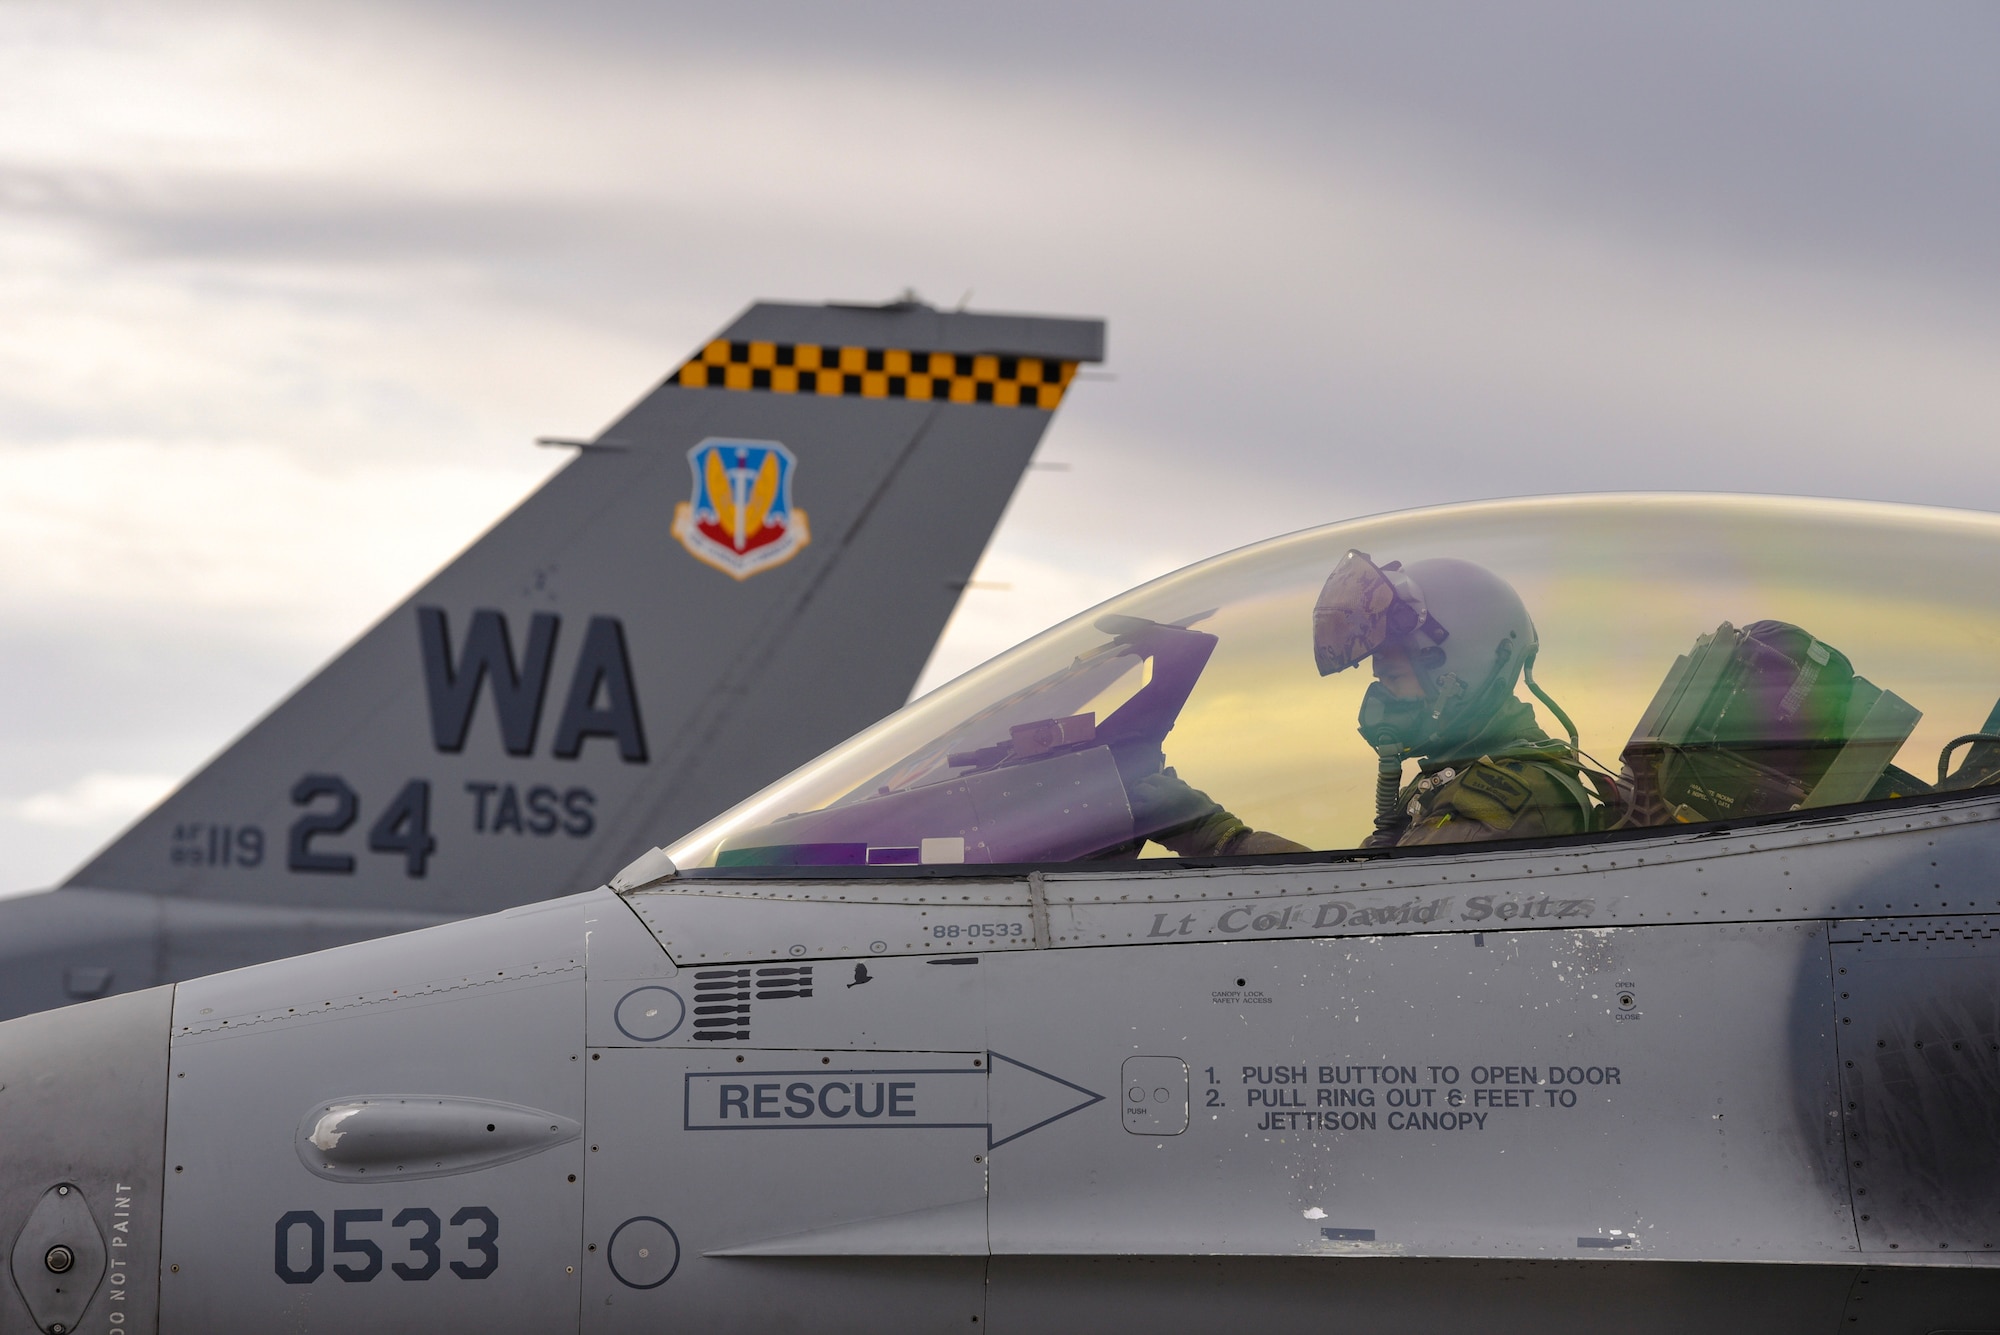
[(1617, 586)]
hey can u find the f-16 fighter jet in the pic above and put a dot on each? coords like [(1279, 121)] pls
[(1558, 915), (748, 565)]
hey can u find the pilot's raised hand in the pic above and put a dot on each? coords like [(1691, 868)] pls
[(1163, 803), (1188, 821)]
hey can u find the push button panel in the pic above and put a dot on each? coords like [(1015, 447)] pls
[(1154, 1094)]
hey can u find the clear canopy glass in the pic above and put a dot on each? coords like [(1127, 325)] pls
[(1718, 656)]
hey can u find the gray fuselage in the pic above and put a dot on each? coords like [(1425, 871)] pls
[(1743, 1079)]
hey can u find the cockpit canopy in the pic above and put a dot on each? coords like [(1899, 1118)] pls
[(1715, 657)]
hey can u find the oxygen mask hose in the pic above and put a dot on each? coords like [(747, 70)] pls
[(1528, 676), (1388, 786)]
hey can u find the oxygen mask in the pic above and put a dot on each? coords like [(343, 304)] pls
[(1388, 719)]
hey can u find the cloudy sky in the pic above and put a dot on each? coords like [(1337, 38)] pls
[(286, 291)]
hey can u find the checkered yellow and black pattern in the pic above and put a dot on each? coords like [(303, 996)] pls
[(878, 373)]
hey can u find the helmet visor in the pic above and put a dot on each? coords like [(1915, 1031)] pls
[(1359, 610)]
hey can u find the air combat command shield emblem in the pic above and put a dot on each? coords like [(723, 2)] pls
[(741, 519)]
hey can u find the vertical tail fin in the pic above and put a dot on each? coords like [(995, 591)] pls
[(750, 564)]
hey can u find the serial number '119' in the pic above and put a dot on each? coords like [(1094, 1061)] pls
[(198, 844)]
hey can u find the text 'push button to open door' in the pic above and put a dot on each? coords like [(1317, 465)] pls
[(1155, 1096)]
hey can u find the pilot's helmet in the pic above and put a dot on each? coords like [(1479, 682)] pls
[(1467, 632)]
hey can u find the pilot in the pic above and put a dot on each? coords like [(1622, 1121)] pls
[(1448, 641)]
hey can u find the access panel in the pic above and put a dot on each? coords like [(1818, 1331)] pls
[(763, 1189), (1919, 1037), (1658, 1093)]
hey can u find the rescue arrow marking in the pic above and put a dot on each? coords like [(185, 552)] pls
[(1007, 1100), (1046, 1098)]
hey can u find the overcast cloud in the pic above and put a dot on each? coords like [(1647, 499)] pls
[(285, 291)]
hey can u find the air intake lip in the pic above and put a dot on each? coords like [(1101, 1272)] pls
[(409, 1136)]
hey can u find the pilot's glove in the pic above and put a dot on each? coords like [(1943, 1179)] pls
[(1188, 821), (1253, 842)]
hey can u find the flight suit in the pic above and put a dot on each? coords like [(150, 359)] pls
[(1514, 792), (1509, 781)]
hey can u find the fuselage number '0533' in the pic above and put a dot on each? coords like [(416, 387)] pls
[(301, 1244)]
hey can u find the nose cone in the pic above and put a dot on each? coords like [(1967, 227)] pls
[(83, 1116)]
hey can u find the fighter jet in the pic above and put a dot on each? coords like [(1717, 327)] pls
[(1555, 915), (751, 563)]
